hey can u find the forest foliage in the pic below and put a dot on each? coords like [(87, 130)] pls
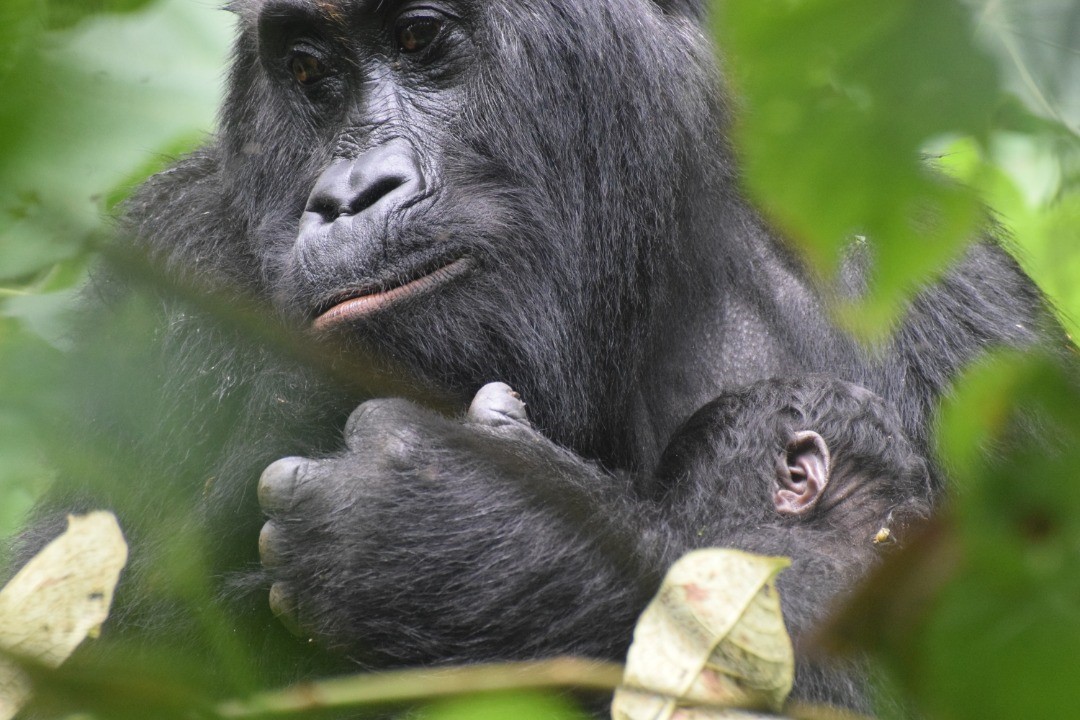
[(852, 118)]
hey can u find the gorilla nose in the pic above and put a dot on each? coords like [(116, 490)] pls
[(385, 176)]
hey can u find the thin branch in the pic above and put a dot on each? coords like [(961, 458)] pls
[(427, 684)]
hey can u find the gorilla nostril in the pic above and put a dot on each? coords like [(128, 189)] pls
[(327, 207), (368, 196)]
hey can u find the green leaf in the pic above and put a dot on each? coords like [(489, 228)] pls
[(84, 109), (65, 13), (1003, 632), (499, 706), (1036, 46), (836, 115)]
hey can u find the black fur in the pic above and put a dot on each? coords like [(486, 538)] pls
[(574, 153), (716, 480)]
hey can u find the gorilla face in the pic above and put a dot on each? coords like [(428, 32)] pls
[(470, 195)]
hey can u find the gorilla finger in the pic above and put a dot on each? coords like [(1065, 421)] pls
[(271, 551), (374, 417), (497, 405), (281, 484), (283, 605)]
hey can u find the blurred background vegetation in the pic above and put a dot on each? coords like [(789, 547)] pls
[(841, 102)]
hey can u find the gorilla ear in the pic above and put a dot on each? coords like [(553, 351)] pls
[(802, 474), (689, 8)]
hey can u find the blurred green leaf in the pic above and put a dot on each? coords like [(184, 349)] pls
[(29, 393), (1005, 634), (500, 706), (81, 110), (85, 113), (1022, 177), (115, 686), (1038, 48), (21, 25), (65, 13), (837, 94)]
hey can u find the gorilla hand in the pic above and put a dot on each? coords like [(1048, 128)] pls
[(431, 539)]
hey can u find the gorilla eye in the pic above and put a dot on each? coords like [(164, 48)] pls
[(306, 68), (416, 33)]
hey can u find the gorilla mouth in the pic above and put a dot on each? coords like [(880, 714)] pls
[(363, 302)]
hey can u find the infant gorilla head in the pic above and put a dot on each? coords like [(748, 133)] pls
[(795, 457), (812, 468)]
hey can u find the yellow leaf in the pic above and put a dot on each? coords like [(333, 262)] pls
[(58, 599), (713, 635)]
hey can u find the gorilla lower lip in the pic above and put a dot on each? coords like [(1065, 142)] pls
[(368, 303)]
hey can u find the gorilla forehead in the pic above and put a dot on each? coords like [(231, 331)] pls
[(344, 13)]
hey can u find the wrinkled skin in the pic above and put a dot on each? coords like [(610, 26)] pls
[(446, 193)]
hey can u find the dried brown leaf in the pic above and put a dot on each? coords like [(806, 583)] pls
[(713, 636), (58, 599)]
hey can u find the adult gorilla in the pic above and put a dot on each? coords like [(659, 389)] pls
[(531, 191)]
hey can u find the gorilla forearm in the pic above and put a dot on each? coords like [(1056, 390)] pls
[(399, 573)]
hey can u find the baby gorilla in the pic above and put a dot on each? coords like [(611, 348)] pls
[(815, 469)]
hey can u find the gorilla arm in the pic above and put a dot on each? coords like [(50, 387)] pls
[(431, 540)]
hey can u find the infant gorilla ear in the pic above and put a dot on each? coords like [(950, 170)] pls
[(497, 405), (802, 474)]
